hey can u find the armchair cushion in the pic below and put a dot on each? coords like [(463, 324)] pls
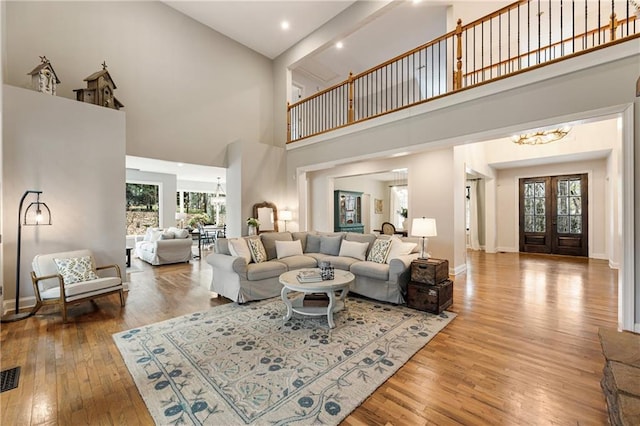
[(76, 269), (81, 289)]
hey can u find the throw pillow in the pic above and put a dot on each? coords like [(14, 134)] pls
[(330, 245), (288, 248), (354, 249), (167, 236), (379, 251), (239, 247), (156, 235), (313, 244), (181, 233), (76, 269), (258, 253), (399, 248)]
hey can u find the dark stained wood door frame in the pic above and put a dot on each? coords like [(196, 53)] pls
[(550, 241)]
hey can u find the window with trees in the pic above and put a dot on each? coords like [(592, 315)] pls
[(142, 207), (202, 207)]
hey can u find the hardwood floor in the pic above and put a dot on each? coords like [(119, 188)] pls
[(523, 350)]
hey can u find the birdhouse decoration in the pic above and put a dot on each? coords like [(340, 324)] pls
[(44, 78), (100, 89)]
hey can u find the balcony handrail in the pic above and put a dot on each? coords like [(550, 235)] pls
[(438, 68), (551, 46)]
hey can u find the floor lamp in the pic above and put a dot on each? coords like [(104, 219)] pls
[(424, 227), (37, 213)]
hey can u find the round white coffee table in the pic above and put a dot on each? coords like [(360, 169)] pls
[(341, 282)]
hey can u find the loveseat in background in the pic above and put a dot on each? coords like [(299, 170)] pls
[(161, 247), (240, 281)]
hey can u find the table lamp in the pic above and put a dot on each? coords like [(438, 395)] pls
[(286, 215), (180, 217), (423, 227)]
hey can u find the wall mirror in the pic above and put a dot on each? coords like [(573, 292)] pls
[(267, 215)]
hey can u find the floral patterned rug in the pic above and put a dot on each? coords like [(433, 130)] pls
[(242, 364)]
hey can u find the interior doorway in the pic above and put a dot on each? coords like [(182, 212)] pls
[(554, 216)]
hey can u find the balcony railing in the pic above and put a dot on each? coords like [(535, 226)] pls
[(521, 36)]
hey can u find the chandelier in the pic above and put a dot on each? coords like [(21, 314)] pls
[(541, 137)]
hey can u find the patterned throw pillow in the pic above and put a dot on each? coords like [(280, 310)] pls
[(76, 269), (379, 251), (258, 253)]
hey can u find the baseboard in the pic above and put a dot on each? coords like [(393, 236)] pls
[(9, 306), (614, 265), (601, 256), (507, 250), (460, 269)]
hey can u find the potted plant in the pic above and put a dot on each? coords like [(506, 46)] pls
[(252, 224)]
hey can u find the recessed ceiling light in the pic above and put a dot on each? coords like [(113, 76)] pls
[(284, 25), (339, 45), (180, 164), (416, 1)]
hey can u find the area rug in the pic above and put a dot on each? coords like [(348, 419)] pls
[(242, 364)]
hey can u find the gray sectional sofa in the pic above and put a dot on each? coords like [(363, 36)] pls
[(242, 281)]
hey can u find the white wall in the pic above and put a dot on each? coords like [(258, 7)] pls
[(188, 91), (255, 174), (167, 184), (75, 154)]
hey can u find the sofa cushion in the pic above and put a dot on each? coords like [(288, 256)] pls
[(258, 253), (222, 246), (299, 262), (269, 241), (166, 235), (302, 237), (264, 270), (361, 238), (179, 233), (154, 235), (378, 271), (379, 251), (239, 247), (313, 244), (399, 248), (147, 246), (416, 240), (317, 256), (354, 249), (340, 262), (288, 248), (330, 244), (76, 269)]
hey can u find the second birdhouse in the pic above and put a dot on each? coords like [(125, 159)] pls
[(100, 90)]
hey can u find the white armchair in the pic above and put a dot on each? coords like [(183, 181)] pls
[(72, 277)]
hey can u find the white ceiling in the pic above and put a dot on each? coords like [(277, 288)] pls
[(256, 24), (394, 29), (183, 171)]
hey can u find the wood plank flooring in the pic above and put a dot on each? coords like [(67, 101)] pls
[(523, 350)]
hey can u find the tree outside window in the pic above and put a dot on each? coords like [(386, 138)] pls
[(142, 207)]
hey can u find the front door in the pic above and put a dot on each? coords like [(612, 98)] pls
[(553, 215)]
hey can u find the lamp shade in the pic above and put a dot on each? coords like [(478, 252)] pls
[(424, 227), (286, 215)]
